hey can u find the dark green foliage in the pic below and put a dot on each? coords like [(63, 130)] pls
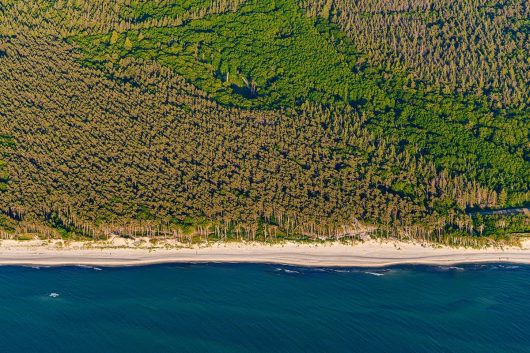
[(252, 119), (292, 59), (6, 143), (475, 47), (7, 224), (140, 11), (265, 55), (498, 225), (56, 221)]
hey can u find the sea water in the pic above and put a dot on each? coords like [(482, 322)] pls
[(265, 308)]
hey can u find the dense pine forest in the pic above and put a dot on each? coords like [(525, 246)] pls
[(265, 119)]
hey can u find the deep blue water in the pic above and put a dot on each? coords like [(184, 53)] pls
[(265, 308)]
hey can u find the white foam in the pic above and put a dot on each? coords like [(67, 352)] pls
[(90, 267), (374, 273), (509, 267), (35, 267), (54, 295), (450, 268), (290, 271), (285, 270)]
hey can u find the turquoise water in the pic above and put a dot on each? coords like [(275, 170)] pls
[(265, 308)]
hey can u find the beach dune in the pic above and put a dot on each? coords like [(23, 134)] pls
[(120, 252)]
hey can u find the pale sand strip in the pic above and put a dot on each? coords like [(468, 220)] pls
[(367, 254)]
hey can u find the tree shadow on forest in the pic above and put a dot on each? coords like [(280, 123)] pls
[(243, 91)]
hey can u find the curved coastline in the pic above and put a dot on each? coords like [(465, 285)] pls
[(367, 254)]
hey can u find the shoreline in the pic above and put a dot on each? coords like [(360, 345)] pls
[(369, 254)]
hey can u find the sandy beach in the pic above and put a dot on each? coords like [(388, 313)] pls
[(121, 252)]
